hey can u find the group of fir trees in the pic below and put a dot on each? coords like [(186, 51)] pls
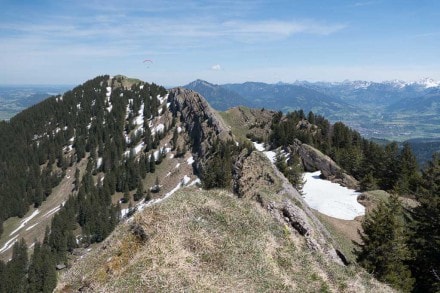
[(217, 173), (291, 168), (400, 246), (386, 167), (48, 138), (21, 274), (35, 144)]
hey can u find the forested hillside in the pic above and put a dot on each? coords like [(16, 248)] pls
[(94, 121)]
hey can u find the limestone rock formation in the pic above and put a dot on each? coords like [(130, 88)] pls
[(314, 160), (202, 122)]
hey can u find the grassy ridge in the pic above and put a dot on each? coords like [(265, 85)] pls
[(202, 241)]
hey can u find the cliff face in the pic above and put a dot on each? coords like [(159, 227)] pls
[(201, 122), (314, 160)]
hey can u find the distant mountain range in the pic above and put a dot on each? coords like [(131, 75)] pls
[(394, 110)]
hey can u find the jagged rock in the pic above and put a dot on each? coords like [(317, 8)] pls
[(314, 160), (252, 176), (297, 218), (202, 122)]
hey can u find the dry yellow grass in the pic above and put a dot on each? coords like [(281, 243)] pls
[(209, 241)]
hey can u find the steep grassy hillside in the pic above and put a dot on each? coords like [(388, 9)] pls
[(202, 241)]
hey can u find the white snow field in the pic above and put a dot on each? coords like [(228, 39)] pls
[(325, 196), (331, 198)]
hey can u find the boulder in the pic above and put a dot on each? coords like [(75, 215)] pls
[(313, 160)]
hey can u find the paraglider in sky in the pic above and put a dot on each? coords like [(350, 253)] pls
[(147, 60)]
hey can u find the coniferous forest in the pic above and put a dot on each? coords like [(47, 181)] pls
[(39, 144)]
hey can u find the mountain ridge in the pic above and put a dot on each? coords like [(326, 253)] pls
[(137, 145)]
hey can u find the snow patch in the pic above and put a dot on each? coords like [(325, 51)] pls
[(185, 180), (32, 226), (160, 128), (195, 181), (258, 146), (8, 244), (271, 155), (25, 221), (52, 211), (190, 160), (331, 198), (98, 162), (138, 148)]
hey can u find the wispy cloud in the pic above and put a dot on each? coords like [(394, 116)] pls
[(280, 28), (364, 3), (216, 67)]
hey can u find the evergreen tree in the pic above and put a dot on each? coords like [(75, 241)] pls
[(152, 163), (425, 228), (368, 182), (15, 274), (1, 226), (174, 139), (148, 195), (139, 192), (42, 273), (383, 250), (2, 276), (409, 171)]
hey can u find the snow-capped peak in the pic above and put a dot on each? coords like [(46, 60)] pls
[(396, 83), (428, 82)]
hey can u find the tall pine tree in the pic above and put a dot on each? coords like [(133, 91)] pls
[(425, 240), (383, 251)]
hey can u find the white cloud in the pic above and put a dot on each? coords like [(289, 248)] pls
[(216, 67), (280, 28)]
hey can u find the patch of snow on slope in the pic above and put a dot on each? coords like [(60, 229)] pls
[(271, 155), (163, 150), (25, 221), (160, 128), (138, 148), (139, 120), (190, 160), (98, 162), (179, 129), (32, 226), (258, 146), (107, 95), (331, 198), (9, 244), (52, 211), (186, 180), (196, 181)]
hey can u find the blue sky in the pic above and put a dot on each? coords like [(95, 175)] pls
[(68, 42)]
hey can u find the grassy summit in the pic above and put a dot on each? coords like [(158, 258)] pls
[(209, 241)]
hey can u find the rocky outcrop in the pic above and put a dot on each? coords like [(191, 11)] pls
[(202, 122), (262, 181), (314, 160)]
